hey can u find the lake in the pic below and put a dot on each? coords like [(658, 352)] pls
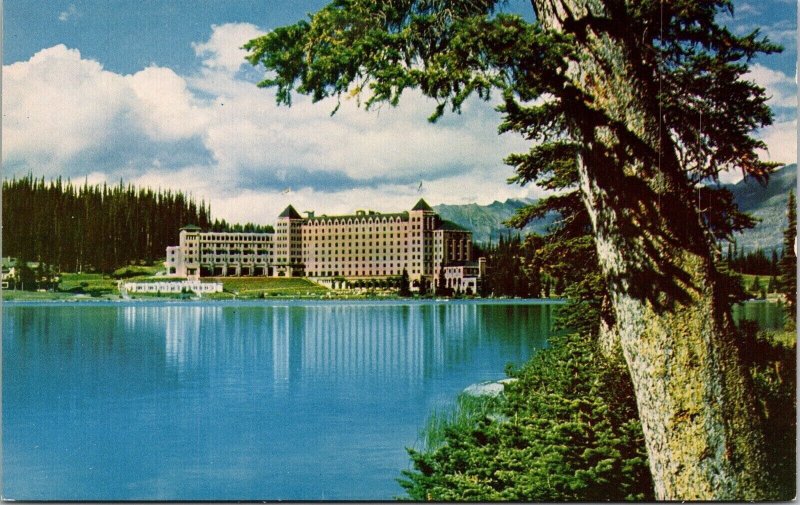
[(768, 315), (239, 401)]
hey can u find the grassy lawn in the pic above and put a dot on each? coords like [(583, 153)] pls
[(254, 287), (91, 284), (98, 285), (11, 294), (763, 282), (137, 271)]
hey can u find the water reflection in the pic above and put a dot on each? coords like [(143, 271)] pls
[(767, 315), (190, 401), (281, 329), (381, 342)]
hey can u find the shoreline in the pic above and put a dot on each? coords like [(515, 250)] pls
[(278, 301)]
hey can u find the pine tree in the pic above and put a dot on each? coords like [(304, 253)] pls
[(789, 261), (26, 277), (441, 288), (405, 286), (773, 263), (624, 85), (772, 287)]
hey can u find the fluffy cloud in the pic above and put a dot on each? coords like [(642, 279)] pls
[(164, 107), (216, 135), (224, 49), (780, 87), (65, 115), (781, 140)]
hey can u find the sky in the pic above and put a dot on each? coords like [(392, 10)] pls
[(157, 93)]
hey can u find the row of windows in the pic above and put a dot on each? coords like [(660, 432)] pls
[(357, 236), (351, 222), (358, 273), (324, 265), (222, 260), (316, 230), (256, 237)]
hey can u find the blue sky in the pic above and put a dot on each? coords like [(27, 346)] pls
[(154, 92)]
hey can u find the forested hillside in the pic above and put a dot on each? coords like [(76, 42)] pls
[(84, 228), (768, 204), (486, 221)]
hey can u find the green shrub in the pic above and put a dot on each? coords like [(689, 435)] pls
[(129, 271), (566, 430), (468, 410), (772, 360)]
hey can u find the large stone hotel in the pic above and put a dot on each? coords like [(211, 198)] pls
[(366, 244)]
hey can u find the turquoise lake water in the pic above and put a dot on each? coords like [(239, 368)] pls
[(768, 315), (293, 400)]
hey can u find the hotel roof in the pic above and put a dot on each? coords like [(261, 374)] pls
[(422, 205), (449, 225), (291, 213), (373, 215)]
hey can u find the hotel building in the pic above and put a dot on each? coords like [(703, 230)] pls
[(366, 244)]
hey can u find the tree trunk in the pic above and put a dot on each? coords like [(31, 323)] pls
[(675, 330)]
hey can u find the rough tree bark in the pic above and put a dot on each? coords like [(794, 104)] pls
[(676, 333)]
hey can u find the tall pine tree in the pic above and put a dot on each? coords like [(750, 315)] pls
[(615, 89), (789, 261)]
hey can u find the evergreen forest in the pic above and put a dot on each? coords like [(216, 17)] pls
[(97, 228)]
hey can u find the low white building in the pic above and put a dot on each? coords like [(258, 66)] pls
[(194, 286), (462, 277), (9, 273)]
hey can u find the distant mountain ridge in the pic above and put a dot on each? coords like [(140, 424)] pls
[(766, 203), (486, 221)]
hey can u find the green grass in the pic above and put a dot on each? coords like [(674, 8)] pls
[(462, 416), (34, 295), (255, 287), (133, 271), (91, 284), (763, 281), (99, 285)]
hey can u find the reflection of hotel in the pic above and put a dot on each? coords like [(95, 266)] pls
[(366, 244), (381, 342), (278, 346)]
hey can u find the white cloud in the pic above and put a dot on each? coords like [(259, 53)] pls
[(780, 87), (218, 136), (747, 9), (264, 206), (167, 109), (56, 105), (63, 113), (781, 140), (223, 50), (70, 13), (251, 132)]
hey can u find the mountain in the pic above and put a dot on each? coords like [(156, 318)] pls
[(486, 221), (766, 203)]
